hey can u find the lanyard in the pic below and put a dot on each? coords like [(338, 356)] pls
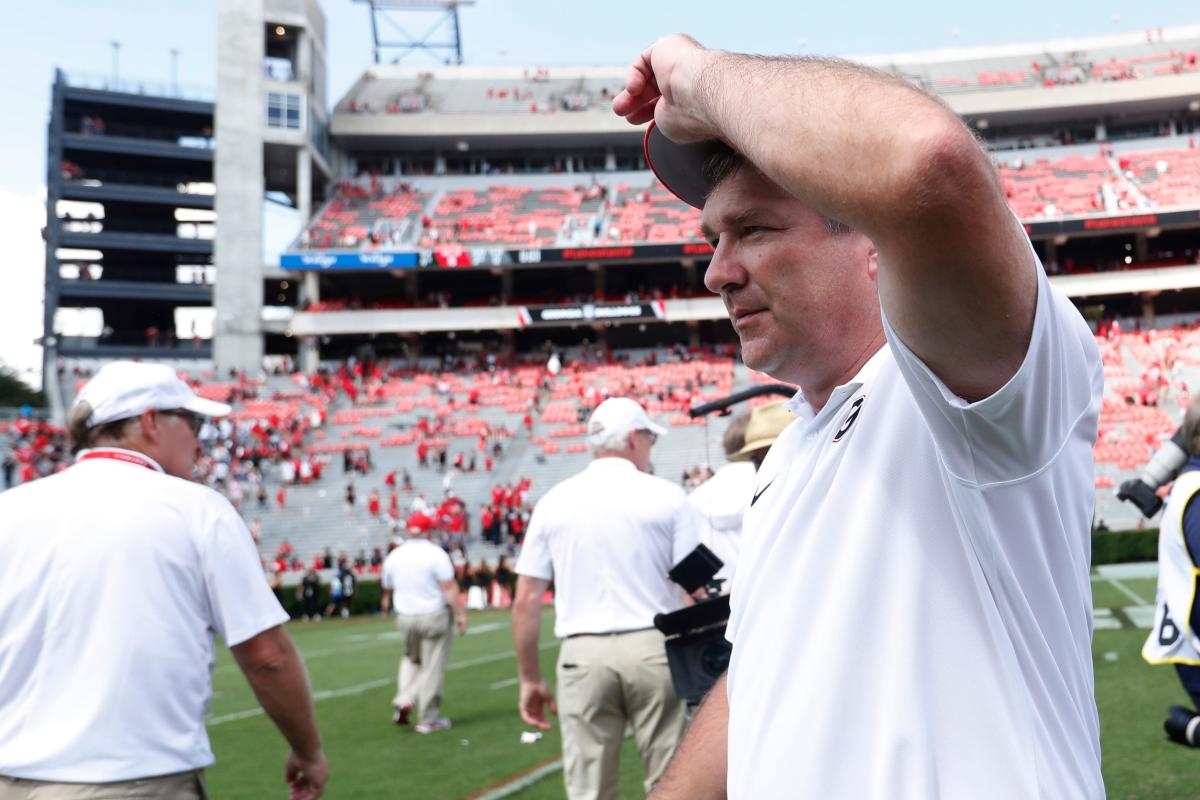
[(119, 455)]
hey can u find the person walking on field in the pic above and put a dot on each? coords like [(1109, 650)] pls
[(418, 581), (116, 574)]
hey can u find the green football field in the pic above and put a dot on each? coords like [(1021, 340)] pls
[(353, 663)]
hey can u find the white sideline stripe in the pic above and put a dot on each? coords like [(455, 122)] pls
[(1125, 590), (375, 684), (505, 682), (523, 782), (358, 640)]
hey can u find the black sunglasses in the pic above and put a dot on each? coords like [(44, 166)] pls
[(194, 421)]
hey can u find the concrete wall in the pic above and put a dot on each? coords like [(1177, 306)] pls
[(240, 120)]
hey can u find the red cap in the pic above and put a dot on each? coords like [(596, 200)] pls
[(419, 523)]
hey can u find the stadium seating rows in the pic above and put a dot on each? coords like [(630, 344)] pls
[(375, 213)]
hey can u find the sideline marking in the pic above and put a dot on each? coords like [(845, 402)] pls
[(1125, 590), (375, 684), (521, 782), (505, 682)]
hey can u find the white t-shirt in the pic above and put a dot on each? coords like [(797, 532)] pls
[(721, 502), (113, 580), (413, 571), (911, 616), (607, 538)]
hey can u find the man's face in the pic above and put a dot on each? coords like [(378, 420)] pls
[(790, 286), (179, 444)]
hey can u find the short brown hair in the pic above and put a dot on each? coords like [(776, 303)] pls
[(83, 436), (724, 162)]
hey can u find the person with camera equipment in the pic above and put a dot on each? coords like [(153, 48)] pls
[(1175, 635), (607, 538), (937, 486)]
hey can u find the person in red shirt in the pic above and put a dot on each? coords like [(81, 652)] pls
[(389, 480), (281, 497), (373, 504), (488, 463)]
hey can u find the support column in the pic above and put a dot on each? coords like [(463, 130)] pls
[(238, 174)]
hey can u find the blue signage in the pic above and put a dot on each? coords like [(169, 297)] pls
[(321, 260)]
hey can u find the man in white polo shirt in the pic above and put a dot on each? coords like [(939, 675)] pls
[(418, 581), (607, 537), (911, 615), (116, 572)]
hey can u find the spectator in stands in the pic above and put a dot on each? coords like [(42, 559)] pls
[(418, 581), (134, 566), (947, 414), (607, 538)]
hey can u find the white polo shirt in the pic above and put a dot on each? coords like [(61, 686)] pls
[(911, 616), (607, 538), (721, 502), (412, 572), (113, 579)]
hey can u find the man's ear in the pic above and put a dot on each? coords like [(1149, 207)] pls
[(149, 421), (872, 263)]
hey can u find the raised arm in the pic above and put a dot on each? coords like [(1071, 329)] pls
[(955, 272)]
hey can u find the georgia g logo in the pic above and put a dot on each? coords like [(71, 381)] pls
[(855, 408)]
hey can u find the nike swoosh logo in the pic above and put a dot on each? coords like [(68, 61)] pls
[(759, 493)]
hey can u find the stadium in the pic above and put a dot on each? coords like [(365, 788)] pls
[(485, 255)]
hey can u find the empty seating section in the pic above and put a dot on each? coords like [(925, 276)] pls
[(363, 216), (504, 215), (650, 214), (1065, 187), (1167, 177), (633, 207)]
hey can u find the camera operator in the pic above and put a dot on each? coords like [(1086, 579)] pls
[(607, 537), (1174, 639)]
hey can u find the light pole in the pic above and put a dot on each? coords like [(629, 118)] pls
[(116, 48)]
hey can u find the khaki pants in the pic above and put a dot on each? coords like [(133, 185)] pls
[(427, 639), (179, 786), (604, 683)]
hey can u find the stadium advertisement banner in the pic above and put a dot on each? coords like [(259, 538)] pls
[(462, 256), (1127, 222), (591, 313), (357, 261)]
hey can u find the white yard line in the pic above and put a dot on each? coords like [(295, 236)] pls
[(505, 682), (375, 684), (523, 782), (1125, 590)]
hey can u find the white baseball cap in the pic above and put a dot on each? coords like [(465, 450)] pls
[(619, 416), (124, 389)]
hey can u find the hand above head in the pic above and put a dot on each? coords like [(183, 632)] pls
[(306, 777), (663, 84), (535, 696)]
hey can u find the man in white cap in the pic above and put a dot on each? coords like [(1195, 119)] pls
[(418, 581), (606, 537), (936, 488), (116, 573)]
